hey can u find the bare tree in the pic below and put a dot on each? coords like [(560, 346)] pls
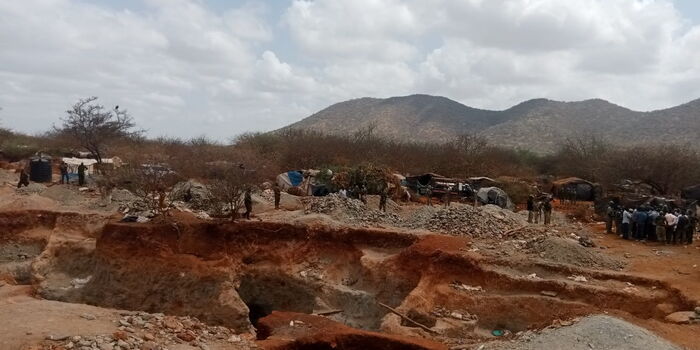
[(151, 183), (93, 127), (228, 188)]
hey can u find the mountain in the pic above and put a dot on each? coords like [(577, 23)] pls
[(538, 125)]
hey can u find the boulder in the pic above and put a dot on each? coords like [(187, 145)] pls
[(681, 317)]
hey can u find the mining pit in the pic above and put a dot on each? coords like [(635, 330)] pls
[(346, 287)]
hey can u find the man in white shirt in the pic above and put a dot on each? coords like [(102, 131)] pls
[(671, 222)]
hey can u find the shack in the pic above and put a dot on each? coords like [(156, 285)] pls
[(439, 184), (574, 188)]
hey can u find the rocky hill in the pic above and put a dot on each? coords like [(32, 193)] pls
[(539, 124)]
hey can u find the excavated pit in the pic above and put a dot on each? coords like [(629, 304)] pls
[(239, 274)]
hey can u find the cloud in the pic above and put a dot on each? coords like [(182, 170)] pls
[(184, 68)]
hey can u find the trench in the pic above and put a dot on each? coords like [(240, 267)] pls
[(237, 276)]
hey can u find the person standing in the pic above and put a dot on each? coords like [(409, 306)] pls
[(429, 193), (618, 220), (382, 199), (530, 208), (651, 224), (547, 208), (64, 172), (248, 203), (609, 217), (640, 220), (538, 210), (660, 224), (626, 222), (448, 196), (23, 178), (671, 221), (81, 174), (681, 229), (278, 195), (691, 227)]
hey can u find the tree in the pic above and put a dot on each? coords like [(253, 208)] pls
[(151, 183), (93, 127), (228, 188)]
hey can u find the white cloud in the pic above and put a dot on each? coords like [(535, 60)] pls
[(183, 68)]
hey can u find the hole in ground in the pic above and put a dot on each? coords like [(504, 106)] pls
[(264, 294)]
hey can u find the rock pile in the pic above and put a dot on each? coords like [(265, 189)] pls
[(141, 330), (33, 188), (571, 252), (195, 194), (349, 210), (486, 221)]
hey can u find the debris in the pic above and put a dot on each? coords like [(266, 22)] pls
[(88, 317), (422, 326), (578, 278)]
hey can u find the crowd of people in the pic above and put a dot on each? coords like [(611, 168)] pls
[(652, 223)]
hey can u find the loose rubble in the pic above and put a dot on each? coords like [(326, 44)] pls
[(349, 210), (141, 330), (488, 220)]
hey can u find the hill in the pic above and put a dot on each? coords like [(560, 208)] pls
[(539, 124)]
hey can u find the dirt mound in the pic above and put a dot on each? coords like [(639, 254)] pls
[(349, 210), (594, 332), (31, 202), (33, 188), (567, 251), (63, 194), (488, 220)]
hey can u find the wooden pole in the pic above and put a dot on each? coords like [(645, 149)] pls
[(422, 326)]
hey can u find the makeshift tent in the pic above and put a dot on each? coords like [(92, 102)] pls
[(691, 192), (494, 195), (303, 180), (481, 181), (91, 164), (440, 184), (582, 189)]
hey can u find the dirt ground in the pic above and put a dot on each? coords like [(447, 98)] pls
[(349, 278)]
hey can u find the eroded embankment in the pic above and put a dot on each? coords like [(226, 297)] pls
[(234, 274)]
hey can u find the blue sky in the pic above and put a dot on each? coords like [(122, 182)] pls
[(219, 68)]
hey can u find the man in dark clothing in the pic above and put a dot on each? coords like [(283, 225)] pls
[(23, 179), (81, 174), (530, 208), (64, 172), (248, 202), (382, 200), (547, 208), (680, 236), (691, 227), (278, 195), (640, 220)]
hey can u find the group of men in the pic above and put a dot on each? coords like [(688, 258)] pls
[(539, 207), (651, 223), (63, 168)]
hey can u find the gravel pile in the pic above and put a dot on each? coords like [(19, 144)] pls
[(568, 251), (485, 221), (594, 332), (349, 210), (141, 330)]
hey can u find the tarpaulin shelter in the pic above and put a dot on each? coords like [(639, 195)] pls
[(494, 195), (439, 184), (304, 180), (580, 189), (691, 192), (91, 164)]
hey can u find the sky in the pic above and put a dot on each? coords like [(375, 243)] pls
[(219, 68)]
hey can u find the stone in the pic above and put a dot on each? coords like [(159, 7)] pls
[(88, 317), (187, 336), (106, 346), (123, 344), (120, 335), (172, 323), (124, 323), (148, 336), (149, 345), (548, 293), (681, 317), (55, 337), (697, 310)]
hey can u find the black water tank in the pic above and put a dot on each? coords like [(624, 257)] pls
[(40, 169)]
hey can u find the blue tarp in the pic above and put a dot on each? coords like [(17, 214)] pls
[(295, 177)]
